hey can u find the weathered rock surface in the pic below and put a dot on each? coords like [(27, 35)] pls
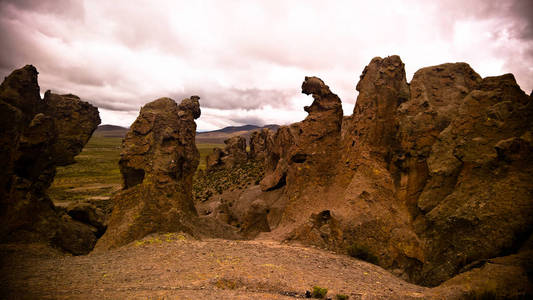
[(37, 136), (258, 144), (233, 155), (89, 214), (158, 161), (427, 178), (478, 200), (304, 152), (436, 93)]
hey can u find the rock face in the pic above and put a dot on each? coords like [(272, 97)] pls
[(233, 155), (37, 136), (306, 150), (158, 161), (364, 215), (258, 144), (427, 178), (477, 202), (436, 94)]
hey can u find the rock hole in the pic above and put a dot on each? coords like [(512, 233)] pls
[(132, 177), (299, 158)]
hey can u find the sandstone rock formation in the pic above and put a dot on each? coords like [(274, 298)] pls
[(158, 161), (38, 135)]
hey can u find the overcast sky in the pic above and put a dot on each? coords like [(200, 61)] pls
[(247, 59)]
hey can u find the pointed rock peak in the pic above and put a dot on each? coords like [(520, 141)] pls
[(324, 99), (315, 86), (192, 105)]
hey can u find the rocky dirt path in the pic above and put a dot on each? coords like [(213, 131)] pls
[(173, 266)]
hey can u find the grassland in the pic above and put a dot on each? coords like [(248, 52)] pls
[(206, 149), (95, 175)]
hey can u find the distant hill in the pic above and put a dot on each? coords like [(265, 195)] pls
[(110, 131), (207, 137), (220, 135)]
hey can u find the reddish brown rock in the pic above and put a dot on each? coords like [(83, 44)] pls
[(477, 202), (305, 151), (214, 160), (233, 155), (234, 152), (258, 144), (39, 135), (158, 161), (436, 94)]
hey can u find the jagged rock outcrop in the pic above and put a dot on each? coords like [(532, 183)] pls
[(258, 144), (436, 93), (234, 154), (369, 215), (304, 152), (478, 200), (158, 161), (37, 136), (431, 177)]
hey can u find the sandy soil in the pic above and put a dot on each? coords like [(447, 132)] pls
[(174, 266)]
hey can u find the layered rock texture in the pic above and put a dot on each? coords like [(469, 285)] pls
[(36, 136), (158, 160)]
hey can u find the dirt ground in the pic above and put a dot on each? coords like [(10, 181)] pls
[(174, 266)]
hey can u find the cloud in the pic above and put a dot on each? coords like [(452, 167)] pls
[(247, 59)]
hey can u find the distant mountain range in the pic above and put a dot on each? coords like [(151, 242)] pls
[(219, 136), (110, 131), (206, 137)]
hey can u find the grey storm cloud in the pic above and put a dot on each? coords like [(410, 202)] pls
[(234, 98), (247, 59)]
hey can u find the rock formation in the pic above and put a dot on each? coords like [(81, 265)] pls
[(434, 176), (38, 135), (158, 161), (304, 152), (477, 202), (258, 144), (428, 179), (233, 154)]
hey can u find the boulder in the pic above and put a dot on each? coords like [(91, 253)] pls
[(39, 135), (88, 214), (158, 160)]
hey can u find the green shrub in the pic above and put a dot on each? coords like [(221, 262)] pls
[(362, 253), (341, 297), (319, 292)]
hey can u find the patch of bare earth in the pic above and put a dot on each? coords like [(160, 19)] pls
[(173, 266)]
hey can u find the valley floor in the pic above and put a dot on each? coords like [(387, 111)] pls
[(174, 266)]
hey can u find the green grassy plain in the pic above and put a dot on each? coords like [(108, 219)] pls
[(205, 150), (96, 175)]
